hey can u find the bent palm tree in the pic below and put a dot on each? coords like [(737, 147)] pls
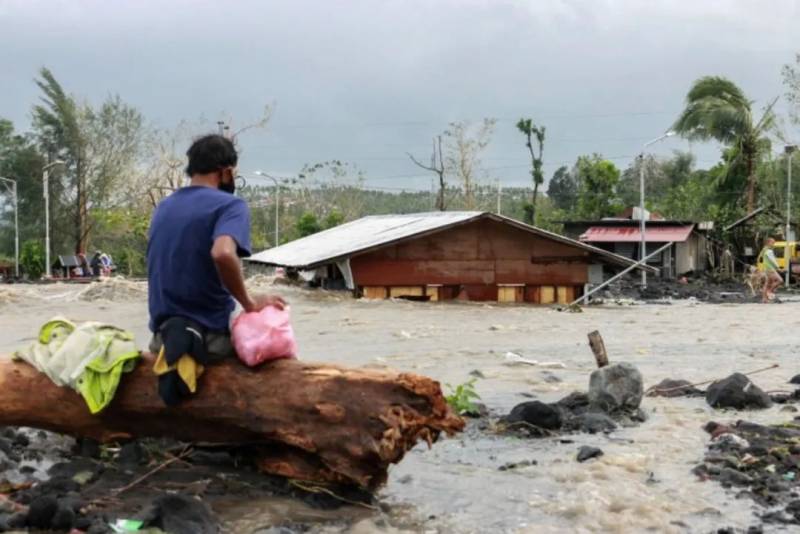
[(717, 109)]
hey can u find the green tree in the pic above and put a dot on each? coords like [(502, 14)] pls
[(334, 218), (20, 160), (717, 109), (530, 130), (598, 180), (100, 148), (563, 189), (791, 79), (307, 224), (32, 259)]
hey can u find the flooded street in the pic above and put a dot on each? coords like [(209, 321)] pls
[(644, 480)]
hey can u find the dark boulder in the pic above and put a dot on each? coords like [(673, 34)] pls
[(670, 387), (180, 514), (41, 512), (587, 453), (795, 379), (536, 413), (738, 392)]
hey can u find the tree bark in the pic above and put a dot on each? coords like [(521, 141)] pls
[(307, 421)]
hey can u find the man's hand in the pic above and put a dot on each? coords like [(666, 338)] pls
[(259, 302)]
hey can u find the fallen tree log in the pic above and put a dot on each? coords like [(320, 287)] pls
[(308, 421)]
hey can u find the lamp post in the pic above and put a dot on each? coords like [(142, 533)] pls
[(277, 202), (16, 222), (643, 243), (46, 192), (789, 150)]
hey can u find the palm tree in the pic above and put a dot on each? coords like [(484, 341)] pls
[(717, 109)]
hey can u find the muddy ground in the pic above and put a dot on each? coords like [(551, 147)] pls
[(644, 481)]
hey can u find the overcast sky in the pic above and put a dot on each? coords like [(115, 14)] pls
[(367, 81)]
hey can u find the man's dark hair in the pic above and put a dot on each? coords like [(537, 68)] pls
[(210, 153)]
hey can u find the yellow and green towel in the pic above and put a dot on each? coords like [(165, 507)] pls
[(88, 357)]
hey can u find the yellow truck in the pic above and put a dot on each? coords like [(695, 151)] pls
[(779, 248)]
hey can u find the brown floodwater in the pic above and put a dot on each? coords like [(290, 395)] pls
[(642, 483)]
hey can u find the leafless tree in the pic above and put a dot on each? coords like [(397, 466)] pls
[(437, 166), (464, 146)]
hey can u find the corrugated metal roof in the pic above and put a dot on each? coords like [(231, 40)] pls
[(628, 234), (376, 231)]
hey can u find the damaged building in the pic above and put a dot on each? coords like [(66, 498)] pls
[(622, 235), (443, 256)]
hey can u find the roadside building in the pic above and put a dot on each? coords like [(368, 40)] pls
[(622, 235), (443, 256)]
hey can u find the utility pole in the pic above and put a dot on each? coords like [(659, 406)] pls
[(643, 243), (277, 203), (16, 223), (46, 193), (789, 150), (499, 197)]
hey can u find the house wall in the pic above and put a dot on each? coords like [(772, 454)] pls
[(691, 254), (475, 259)]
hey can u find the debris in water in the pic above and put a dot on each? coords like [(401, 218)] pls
[(115, 289)]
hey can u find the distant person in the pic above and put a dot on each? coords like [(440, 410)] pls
[(771, 270), (197, 236), (96, 264)]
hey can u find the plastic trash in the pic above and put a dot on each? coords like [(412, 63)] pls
[(263, 335), (512, 358)]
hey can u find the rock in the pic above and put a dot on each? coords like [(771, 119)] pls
[(64, 519), (575, 403), (587, 453), (87, 447), (41, 512), (616, 388), (17, 520), (21, 440), (732, 477), (536, 413), (670, 387), (516, 465), (131, 454), (795, 379), (738, 392), (180, 514), (592, 422)]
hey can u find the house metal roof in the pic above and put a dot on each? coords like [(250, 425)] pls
[(369, 233), (628, 234)]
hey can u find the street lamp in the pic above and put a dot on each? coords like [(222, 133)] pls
[(643, 244), (789, 150), (46, 187), (277, 201), (13, 190)]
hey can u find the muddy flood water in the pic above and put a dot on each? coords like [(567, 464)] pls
[(642, 483)]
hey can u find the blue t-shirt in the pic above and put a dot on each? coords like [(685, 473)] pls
[(183, 279)]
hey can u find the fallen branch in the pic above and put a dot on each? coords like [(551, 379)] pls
[(598, 347), (163, 465)]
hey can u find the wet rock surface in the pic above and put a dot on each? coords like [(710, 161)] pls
[(757, 462), (615, 393), (671, 387), (52, 483), (587, 453), (616, 388), (737, 392)]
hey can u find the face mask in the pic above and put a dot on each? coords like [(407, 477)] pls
[(229, 187)]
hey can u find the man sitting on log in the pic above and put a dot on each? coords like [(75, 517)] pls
[(197, 235)]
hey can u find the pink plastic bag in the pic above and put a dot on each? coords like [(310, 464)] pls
[(263, 335)]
